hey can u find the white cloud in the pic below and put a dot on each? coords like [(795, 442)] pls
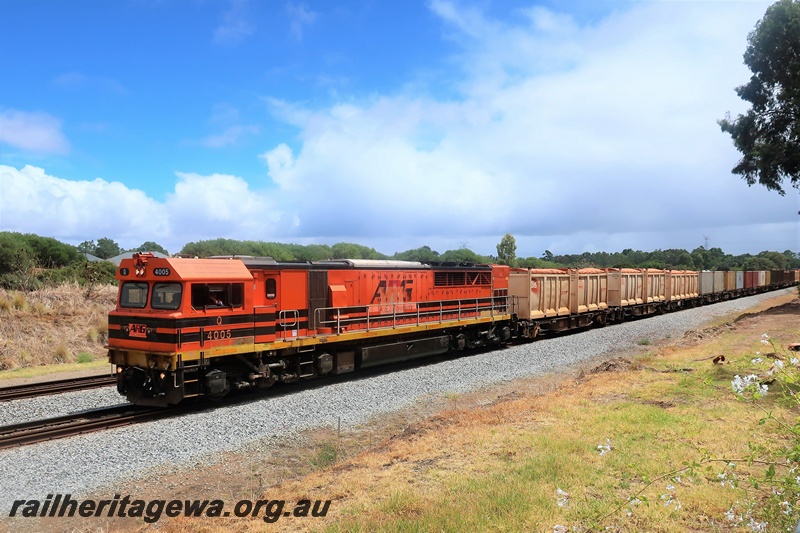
[(236, 25), (300, 17), (77, 80), (34, 131), (559, 130), (200, 207), (230, 137), (571, 137), (32, 201)]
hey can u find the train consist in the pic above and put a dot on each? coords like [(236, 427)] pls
[(186, 328)]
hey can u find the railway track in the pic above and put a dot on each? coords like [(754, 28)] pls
[(32, 390), (78, 424)]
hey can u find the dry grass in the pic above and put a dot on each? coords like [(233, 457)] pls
[(498, 466), (53, 325), (495, 460)]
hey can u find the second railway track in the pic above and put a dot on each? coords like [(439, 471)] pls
[(32, 390), (77, 424)]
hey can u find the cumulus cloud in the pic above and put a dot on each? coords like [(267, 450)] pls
[(573, 137), (31, 201), (34, 131), (200, 207), (557, 131)]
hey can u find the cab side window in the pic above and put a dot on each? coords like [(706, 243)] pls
[(217, 295), (272, 288)]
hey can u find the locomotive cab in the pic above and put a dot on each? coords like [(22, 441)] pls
[(172, 317)]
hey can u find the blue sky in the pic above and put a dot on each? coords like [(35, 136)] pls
[(573, 125)]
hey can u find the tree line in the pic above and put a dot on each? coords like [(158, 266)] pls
[(29, 261), (672, 259)]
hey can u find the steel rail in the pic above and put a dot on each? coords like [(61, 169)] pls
[(77, 424), (32, 390)]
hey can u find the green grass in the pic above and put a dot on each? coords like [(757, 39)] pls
[(36, 371), (325, 456)]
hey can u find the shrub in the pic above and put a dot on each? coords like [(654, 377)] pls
[(62, 354), (19, 301)]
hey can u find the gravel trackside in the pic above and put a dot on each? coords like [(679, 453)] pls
[(80, 465)]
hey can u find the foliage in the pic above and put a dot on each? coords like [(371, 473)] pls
[(768, 136), (676, 259), (104, 248), (533, 262), (464, 255), (280, 251), (24, 256), (507, 250), (150, 246), (107, 248), (422, 254)]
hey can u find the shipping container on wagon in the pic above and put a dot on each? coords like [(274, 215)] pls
[(592, 289), (764, 278), (719, 281), (655, 281), (730, 281), (739, 280), (625, 287), (751, 280), (555, 292), (705, 282), (680, 284), (539, 292)]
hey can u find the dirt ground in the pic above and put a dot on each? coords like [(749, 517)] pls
[(350, 467)]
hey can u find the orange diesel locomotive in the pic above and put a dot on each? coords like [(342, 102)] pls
[(202, 327)]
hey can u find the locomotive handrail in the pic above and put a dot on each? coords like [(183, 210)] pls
[(294, 314), (398, 314)]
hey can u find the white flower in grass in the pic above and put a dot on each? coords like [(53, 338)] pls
[(756, 360), (605, 448), (794, 361), (787, 508), (563, 498), (741, 384), (778, 363), (671, 499)]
